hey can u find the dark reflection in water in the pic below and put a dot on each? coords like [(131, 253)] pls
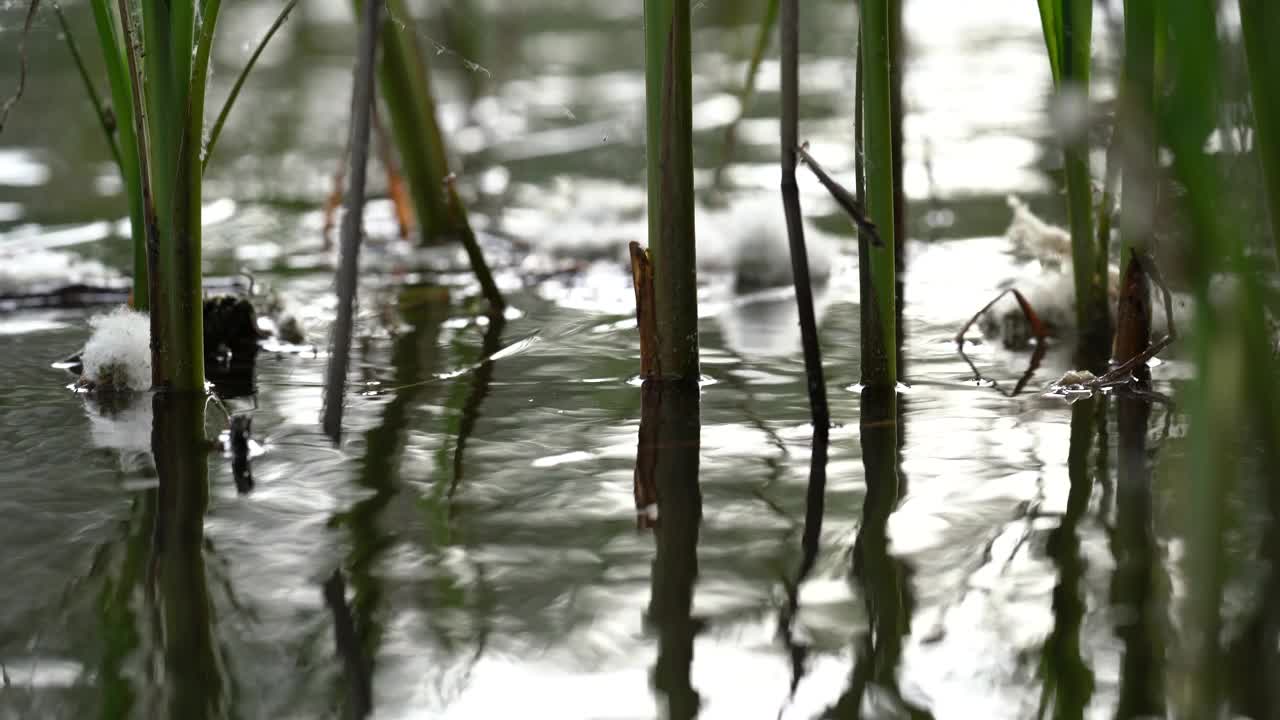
[(1255, 653), (358, 700), (815, 505), (667, 462), (481, 379), (1067, 679), (414, 357), (176, 595), (883, 579), (1135, 588)]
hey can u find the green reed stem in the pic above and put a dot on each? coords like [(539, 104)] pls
[(879, 345), (1260, 25), (669, 139), (1231, 343), (1068, 29)]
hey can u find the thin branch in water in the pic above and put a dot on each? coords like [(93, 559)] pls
[(22, 68), (216, 130), (790, 48), (1038, 328), (843, 197), (352, 223)]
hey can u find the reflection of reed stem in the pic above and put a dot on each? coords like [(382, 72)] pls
[(1134, 586), (670, 466), (1068, 681), (194, 685)]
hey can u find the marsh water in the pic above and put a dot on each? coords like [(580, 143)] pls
[(481, 503)]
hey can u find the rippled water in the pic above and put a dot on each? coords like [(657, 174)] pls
[(482, 501)]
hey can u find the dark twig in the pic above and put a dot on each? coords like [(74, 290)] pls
[(843, 198), (1121, 373), (22, 68), (1038, 328), (795, 224), (352, 222), (104, 118)]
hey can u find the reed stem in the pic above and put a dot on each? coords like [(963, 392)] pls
[(879, 342), (1068, 26), (669, 135)]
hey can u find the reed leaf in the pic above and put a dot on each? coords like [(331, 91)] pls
[(1260, 26), (216, 130)]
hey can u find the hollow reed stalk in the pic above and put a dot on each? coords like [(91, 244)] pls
[(669, 143), (1260, 26), (879, 344), (790, 42)]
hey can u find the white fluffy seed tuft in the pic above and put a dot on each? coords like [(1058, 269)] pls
[(118, 354)]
